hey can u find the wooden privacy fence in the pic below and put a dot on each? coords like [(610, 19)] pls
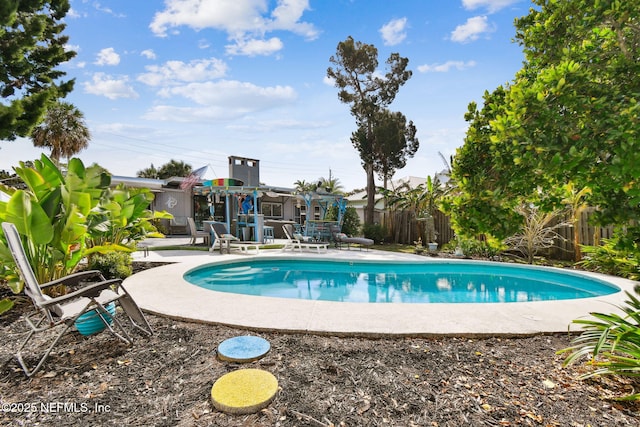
[(402, 228), (589, 234)]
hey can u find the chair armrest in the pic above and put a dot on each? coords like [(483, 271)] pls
[(75, 278), (90, 291)]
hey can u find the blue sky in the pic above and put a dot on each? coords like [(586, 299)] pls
[(199, 80)]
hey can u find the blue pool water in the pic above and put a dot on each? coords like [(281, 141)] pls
[(396, 282)]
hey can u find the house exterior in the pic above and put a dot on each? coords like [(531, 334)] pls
[(209, 201)]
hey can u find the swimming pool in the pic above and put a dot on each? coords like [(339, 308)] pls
[(396, 282)]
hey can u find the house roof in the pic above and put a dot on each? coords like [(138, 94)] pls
[(150, 183)]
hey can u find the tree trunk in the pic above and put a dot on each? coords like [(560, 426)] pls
[(371, 195)]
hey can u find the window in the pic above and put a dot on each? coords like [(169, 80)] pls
[(272, 210)]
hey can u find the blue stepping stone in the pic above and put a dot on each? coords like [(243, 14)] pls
[(243, 349)]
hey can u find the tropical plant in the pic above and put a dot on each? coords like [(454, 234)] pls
[(58, 216), (63, 130), (422, 202), (611, 258), (610, 342), (123, 218), (361, 85), (303, 186), (538, 230), (330, 185), (32, 48), (51, 215)]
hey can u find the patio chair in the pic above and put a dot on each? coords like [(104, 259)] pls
[(195, 233), (291, 243), (223, 240), (296, 241), (89, 291), (340, 238)]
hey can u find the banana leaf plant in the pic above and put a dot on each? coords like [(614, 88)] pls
[(58, 215), (123, 218)]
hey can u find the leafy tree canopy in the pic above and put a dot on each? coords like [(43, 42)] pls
[(569, 116), (368, 93), (31, 47), (176, 168), (395, 142)]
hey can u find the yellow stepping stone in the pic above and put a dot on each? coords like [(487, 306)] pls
[(244, 391)]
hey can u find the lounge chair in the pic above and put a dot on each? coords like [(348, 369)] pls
[(89, 291), (340, 239), (178, 225), (195, 233), (223, 240), (296, 241)]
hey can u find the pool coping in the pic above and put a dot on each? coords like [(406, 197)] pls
[(163, 291)]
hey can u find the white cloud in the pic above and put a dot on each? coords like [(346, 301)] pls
[(491, 5), (225, 99), (107, 56), (447, 66), (73, 13), (148, 53), (109, 87), (174, 72), (471, 30), (104, 9), (240, 19), (254, 47), (393, 32), (234, 94)]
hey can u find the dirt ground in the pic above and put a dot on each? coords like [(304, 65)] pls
[(165, 380)]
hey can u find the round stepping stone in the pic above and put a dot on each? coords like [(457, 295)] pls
[(243, 349), (244, 391)]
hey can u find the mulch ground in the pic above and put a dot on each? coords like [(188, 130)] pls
[(165, 380)]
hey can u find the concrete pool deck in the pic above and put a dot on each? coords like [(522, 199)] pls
[(163, 291)]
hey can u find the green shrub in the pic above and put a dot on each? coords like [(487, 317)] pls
[(376, 232), (487, 247), (350, 220), (609, 259), (113, 265)]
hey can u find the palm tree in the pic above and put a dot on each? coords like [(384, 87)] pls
[(150, 172), (174, 168), (331, 185), (63, 130), (421, 202), (303, 186)]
